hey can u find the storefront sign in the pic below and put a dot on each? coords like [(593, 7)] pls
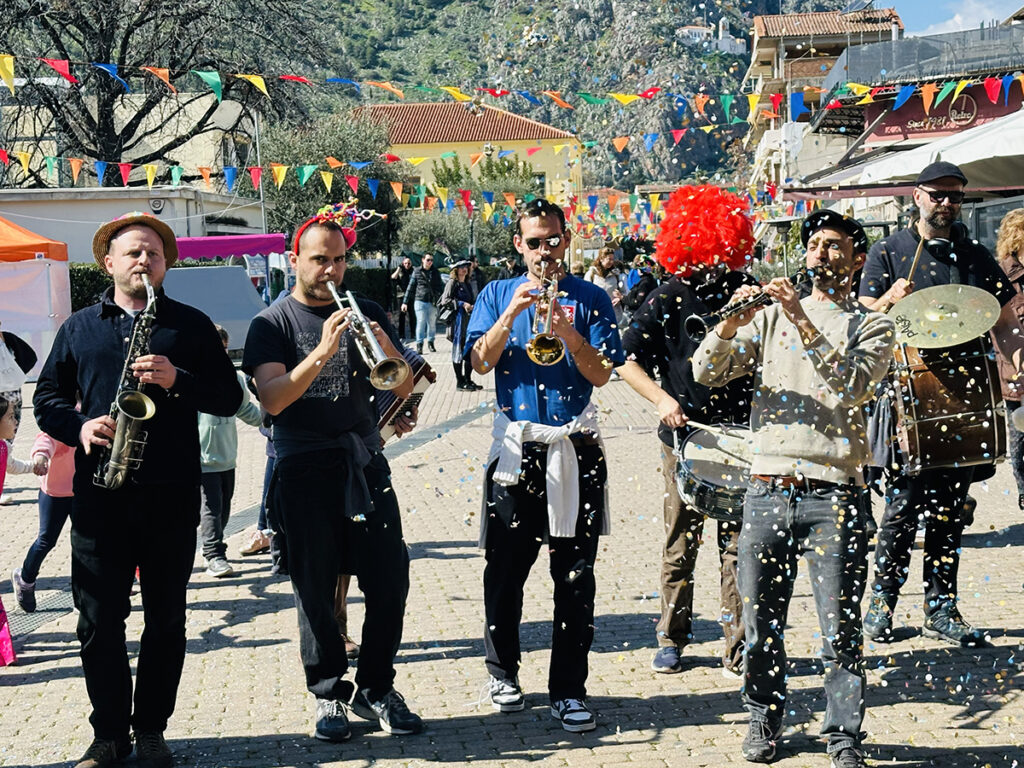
[(971, 108)]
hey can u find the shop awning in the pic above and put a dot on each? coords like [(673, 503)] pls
[(226, 246)]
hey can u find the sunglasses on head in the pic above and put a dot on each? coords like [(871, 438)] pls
[(533, 243), (938, 195)]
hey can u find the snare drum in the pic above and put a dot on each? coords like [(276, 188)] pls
[(948, 407), (712, 471)]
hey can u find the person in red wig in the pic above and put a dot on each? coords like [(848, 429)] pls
[(703, 242)]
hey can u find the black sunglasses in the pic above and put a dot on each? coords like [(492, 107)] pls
[(938, 195), (533, 243)]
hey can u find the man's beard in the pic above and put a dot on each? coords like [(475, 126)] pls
[(133, 289), (940, 218), (316, 291)]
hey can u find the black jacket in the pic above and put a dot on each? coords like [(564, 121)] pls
[(424, 286)]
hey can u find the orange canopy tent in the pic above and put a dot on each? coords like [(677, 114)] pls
[(19, 244)]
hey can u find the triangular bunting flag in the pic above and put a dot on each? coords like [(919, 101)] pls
[(556, 96), (776, 100), (279, 171), (442, 192), (590, 98), (346, 81), (993, 85), (150, 169), (255, 80), (510, 199), (255, 173), (649, 93), (51, 166), (700, 100), (530, 97), (559, 147), (396, 189), (101, 171), (414, 161), (707, 128), (230, 176), (161, 74), (903, 96), (613, 203), (353, 183), (959, 88), (23, 158), (531, 151), (505, 153), (373, 184), (296, 79), (126, 171), (76, 168), (212, 80), (1007, 82), (488, 197), (328, 179), (304, 172), (474, 158), (649, 139), (677, 134), (796, 105), (466, 201), (726, 101), (386, 86), (624, 98), (620, 142), (455, 93), (752, 99), (176, 173), (204, 171), (7, 70), (63, 68), (333, 162), (111, 69)]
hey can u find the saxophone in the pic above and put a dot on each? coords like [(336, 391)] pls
[(131, 406)]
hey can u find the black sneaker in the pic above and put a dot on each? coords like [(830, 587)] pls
[(332, 720), (759, 743), (152, 751), (1020, 501), (848, 757), (24, 591), (947, 624), (390, 710), (878, 619), (574, 714), (506, 695), (432, 347), (104, 752)]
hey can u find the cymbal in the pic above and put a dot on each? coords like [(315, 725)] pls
[(944, 316)]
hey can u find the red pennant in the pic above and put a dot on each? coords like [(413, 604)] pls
[(255, 173), (353, 181), (834, 104), (389, 158), (63, 68), (495, 92), (297, 79), (649, 93), (465, 193), (678, 133), (532, 151), (776, 99), (4, 158), (993, 87), (126, 171)]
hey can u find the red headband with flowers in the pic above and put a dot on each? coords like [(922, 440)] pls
[(334, 214), (704, 226)]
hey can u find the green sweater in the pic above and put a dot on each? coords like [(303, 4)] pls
[(809, 401), (218, 437)]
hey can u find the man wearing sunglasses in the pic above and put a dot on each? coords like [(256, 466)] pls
[(546, 470), (949, 256)]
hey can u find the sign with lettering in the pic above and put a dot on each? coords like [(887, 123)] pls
[(971, 108)]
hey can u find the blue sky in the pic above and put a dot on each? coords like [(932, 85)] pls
[(935, 16)]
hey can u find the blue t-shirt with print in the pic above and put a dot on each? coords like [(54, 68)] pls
[(545, 394)]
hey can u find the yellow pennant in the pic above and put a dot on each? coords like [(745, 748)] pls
[(414, 161), (707, 128), (328, 178), (559, 147), (488, 210), (752, 99), (455, 93), (442, 192), (655, 201), (624, 98), (960, 88), (24, 157), (150, 169), (7, 70), (256, 80), (858, 89), (279, 171)]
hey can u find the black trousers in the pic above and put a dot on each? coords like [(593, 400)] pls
[(218, 488), (939, 495), (517, 521), (322, 542), (113, 532)]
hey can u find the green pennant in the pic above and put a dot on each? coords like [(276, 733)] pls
[(176, 172), (589, 144), (424, 89), (726, 99), (528, 197), (421, 191), (589, 98), (51, 166), (212, 79), (304, 172), (736, 120), (447, 155), (946, 90), (632, 200)]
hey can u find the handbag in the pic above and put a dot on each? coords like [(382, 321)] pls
[(446, 313), (7, 656)]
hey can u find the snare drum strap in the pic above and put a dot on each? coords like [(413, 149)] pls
[(562, 476)]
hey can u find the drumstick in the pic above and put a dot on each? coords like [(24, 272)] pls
[(721, 433), (913, 264)]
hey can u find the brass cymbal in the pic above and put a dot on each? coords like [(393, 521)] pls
[(944, 316)]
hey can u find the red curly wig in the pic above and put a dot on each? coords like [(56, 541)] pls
[(704, 226)]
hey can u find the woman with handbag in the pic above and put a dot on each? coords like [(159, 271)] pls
[(454, 306)]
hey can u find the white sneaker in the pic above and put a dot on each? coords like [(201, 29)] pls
[(506, 695), (219, 567), (575, 715)]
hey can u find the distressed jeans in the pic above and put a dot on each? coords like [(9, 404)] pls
[(826, 526), (426, 321)]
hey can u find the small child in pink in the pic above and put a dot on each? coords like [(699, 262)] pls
[(54, 462)]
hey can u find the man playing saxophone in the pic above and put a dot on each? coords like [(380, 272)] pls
[(149, 521), (546, 473)]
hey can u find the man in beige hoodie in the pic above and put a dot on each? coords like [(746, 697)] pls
[(816, 362)]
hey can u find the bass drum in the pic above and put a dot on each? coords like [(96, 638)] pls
[(712, 470), (948, 407)]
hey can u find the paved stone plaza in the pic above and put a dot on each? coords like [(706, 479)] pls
[(242, 700)]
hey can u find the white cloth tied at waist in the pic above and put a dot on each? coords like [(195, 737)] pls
[(562, 474)]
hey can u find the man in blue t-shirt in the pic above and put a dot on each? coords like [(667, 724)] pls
[(332, 494), (546, 471)]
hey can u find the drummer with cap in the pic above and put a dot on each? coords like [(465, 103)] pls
[(816, 362), (946, 256)]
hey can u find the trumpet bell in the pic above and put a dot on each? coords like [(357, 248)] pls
[(544, 349), (390, 373)]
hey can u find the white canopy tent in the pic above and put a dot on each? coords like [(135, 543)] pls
[(991, 156)]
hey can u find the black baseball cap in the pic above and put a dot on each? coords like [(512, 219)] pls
[(940, 170), (835, 220)]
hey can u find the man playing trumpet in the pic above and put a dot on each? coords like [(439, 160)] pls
[(332, 494), (815, 362), (546, 473)]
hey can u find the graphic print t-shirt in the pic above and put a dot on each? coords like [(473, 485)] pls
[(340, 398)]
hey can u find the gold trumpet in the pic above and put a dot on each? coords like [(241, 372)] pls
[(544, 348), (385, 372)]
